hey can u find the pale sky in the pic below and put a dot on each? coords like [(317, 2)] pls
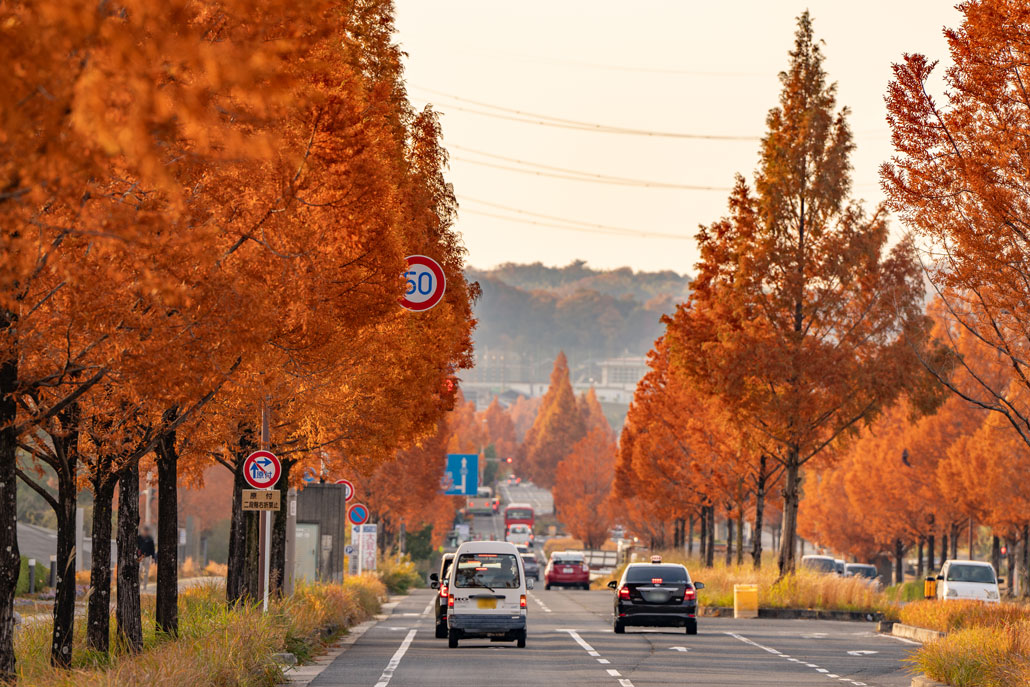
[(681, 66)]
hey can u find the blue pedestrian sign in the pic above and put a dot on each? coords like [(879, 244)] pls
[(462, 474)]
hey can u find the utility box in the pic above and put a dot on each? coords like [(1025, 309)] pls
[(320, 531), (745, 601)]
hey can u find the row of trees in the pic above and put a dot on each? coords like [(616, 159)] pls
[(205, 213), (806, 345)]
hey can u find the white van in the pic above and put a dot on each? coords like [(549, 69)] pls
[(968, 580), (487, 593)]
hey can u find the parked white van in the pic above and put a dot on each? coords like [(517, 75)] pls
[(968, 580), (487, 593)]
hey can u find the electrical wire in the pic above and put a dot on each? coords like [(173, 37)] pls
[(564, 220), (594, 179), (585, 229), (563, 123), (582, 176)]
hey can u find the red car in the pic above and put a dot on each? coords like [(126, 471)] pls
[(567, 569)]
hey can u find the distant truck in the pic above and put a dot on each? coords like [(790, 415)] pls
[(483, 503)]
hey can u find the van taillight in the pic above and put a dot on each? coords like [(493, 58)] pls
[(450, 601), (522, 601), (624, 592), (443, 590), (689, 594)]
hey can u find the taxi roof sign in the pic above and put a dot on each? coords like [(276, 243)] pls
[(656, 559)]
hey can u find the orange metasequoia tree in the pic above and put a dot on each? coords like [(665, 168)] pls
[(800, 320), (959, 178), (558, 425), (582, 486)]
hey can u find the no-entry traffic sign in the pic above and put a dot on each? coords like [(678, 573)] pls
[(358, 514), (261, 469), (426, 283), (348, 489)]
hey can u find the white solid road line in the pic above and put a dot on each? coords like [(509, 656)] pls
[(623, 682), (384, 679), (815, 667)]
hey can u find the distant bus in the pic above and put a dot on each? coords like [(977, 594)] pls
[(521, 513)]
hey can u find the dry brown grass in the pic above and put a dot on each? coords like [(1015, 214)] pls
[(946, 616), (979, 656), (217, 646)]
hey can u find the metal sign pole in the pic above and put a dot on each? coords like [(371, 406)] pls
[(361, 548), (265, 440)]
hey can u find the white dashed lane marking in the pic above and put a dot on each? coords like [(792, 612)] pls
[(815, 667), (623, 682), (541, 604)]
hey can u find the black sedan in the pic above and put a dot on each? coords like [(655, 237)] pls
[(532, 566), (655, 595), (439, 582)]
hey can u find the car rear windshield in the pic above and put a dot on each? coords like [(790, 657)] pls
[(862, 570), (971, 573), (446, 568), (529, 558), (819, 564), (519, 528), (639, 574), (568, 559), (492, 570), (519, 514)]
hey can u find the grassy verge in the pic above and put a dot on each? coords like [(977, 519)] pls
[(216, 647), (805, 590), (988, 645)]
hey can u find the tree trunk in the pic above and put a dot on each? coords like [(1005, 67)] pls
[(944, 547), (972, 556), (899, 562), (167, 601), (1026, 561), (710, 554), (791, 497), (756, 543), (277, 566), (919, 559), (252, 554), (740, 537), (128, 612), (930, 554), (996, 554), (98, 614), (954, 540), (10, 560), (729, 539), (64, 598), (690, 536), (236, 583), (1010, 564), (703, 550)]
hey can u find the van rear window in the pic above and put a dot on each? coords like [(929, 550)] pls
[(971, 573), (489, 570)]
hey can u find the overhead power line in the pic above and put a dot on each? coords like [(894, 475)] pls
[(573, 174), (564, 220), (525, 117), (584, 229)]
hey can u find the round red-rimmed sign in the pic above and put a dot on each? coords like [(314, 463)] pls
[(261, 469), (425, 281), (348, 489), (358, 514)]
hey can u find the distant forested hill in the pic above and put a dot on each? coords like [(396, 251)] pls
[(588, 313), (576, 276)]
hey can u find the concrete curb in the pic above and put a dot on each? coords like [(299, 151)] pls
[(300, 676), (923, 681), (917, 634), (794, 614)]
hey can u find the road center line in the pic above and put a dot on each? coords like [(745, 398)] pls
[(395, 661), (428, 608), (623, 682), (817, 669), (540, 603)]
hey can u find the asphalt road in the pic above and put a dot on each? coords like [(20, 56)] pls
[(571, 643), (540, 499)]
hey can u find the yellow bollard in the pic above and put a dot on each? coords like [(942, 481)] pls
[(745, 601), (930, 588)]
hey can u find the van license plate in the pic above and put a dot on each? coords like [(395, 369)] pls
[(486, 603)]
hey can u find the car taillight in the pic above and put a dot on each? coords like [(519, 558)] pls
[(689, 594), (443, 590), (450, 601), (624, 592), (522, 601)]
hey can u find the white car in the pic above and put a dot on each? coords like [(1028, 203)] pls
[(520, 534), (968, 580), (486, 593)]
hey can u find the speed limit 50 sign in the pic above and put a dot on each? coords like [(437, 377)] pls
[(425, 282)]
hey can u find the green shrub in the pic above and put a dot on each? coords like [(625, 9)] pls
[(398, 573), (42, 577), (905, 592)]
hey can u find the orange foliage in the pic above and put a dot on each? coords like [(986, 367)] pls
[(558, 425), (582, 486)]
